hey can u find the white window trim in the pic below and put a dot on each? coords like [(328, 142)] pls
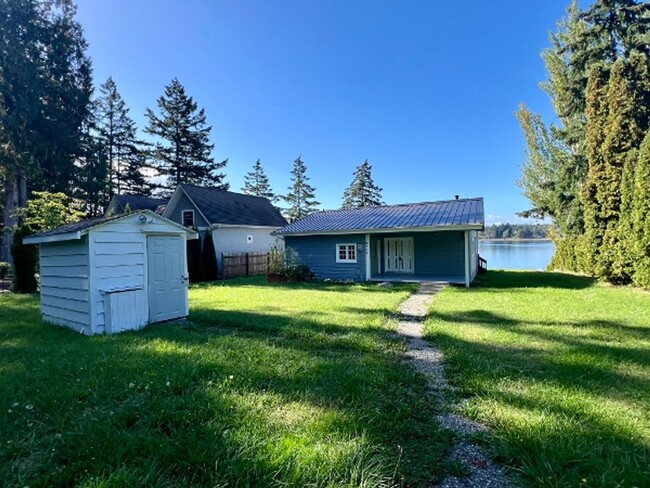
[(183, 217), (346, 244)]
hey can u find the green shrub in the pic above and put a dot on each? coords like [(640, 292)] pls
[(4, 269), (25, 262)]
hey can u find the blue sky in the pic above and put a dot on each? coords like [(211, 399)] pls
[(426, 91)]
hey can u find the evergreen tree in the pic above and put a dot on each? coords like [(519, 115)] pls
[(301, 194), (257, 183), (117, 134), (184, 153), (558, 175), (641, 216), (362, 192), (45, 89), (624, 259)]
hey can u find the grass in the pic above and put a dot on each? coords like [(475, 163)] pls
[(559, 367), (266, 385)]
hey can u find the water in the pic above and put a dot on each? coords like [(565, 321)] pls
[(516, 254)]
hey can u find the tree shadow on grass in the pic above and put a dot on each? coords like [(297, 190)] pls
[(501, 279), (231, 398), (554, 404)]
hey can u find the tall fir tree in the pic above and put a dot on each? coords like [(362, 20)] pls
[(45, 90), (641, 216), (558, 174), (301, 196), (256, 183), (362, 192), (183, 154), (117, 135)]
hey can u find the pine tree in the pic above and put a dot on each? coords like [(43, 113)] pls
[(362, 192), (641, 216), (117, 134), (257, 183), (184, 153), (301, 194)]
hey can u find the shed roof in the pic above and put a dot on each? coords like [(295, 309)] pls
[(466, 213), (119, 203), (76, 230), (230, 208)]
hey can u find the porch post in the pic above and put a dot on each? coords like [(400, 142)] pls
[(367, 257), (466, 258)]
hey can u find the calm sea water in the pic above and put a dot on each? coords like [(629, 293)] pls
[(520, 254)]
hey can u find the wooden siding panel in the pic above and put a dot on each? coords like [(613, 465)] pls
[(319, 253), (64, 272), (439, 253)]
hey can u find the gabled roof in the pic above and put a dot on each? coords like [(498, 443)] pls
[(229, 208), (466, 213), (119, 203), (78, 229)]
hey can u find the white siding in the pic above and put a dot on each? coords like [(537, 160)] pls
[(118, 256), (64, 284), (235, 239)]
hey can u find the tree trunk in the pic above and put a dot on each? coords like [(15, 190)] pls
[(9, 218)]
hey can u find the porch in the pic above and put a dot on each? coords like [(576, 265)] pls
[(417, 278)]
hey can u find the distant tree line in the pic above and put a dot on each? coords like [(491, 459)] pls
[(515, 231), (590, 172)]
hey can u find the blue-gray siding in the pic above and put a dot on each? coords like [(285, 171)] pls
[(435, 253), (185, 203), (319, 253)]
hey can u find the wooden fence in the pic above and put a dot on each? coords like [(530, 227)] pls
[(244, 264)]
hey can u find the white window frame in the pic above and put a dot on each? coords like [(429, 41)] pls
[(183, 217), (347, 246)]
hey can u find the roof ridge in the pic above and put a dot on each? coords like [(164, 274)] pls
[(212, 188), (397, 205)]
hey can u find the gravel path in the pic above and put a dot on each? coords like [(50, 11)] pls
[(428, 360)]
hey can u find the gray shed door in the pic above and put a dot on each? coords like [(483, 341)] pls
[(167, 283)]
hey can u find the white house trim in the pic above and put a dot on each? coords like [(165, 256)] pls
[(70, 236), (347, 245), (367, 246), (467, 264)]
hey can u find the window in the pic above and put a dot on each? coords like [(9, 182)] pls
[(346, 253), (188, 218)]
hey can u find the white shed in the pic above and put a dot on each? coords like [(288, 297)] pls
[(111, 274)]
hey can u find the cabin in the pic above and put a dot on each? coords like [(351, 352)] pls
[(112, 274), (430, 241), (238, 223)]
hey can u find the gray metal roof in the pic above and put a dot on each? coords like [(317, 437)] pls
[(466, 212), (79, 226), (230, 208)]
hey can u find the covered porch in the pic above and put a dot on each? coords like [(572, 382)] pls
[(417, 278), (410, 256)]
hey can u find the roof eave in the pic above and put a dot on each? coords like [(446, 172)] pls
[(68, 236), (439, 228)]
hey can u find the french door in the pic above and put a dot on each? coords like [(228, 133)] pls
[(398, 254)]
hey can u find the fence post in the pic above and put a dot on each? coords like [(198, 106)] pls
[(247, 264), (223, 266)]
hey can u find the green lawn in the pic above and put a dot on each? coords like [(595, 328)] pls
[(559, 367), (268, 385)]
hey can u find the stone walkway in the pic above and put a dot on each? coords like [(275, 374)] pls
[(428, 360)]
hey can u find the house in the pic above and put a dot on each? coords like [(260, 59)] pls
[(122, 203), (238, 223), (411, 242), (111, 274)]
